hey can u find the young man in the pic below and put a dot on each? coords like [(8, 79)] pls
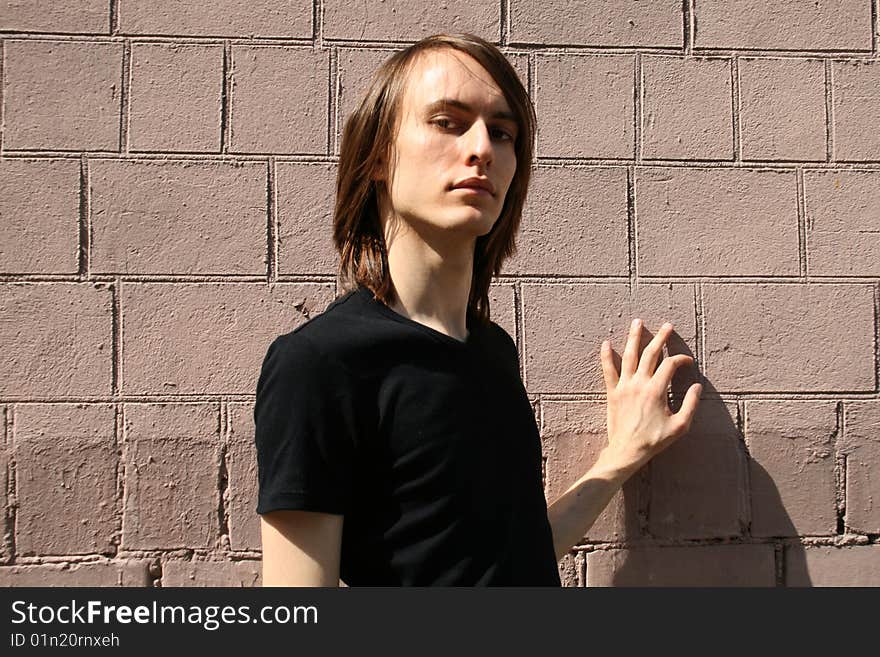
[(395, 441)]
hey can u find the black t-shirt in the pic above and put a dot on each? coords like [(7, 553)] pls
[(426, 444)]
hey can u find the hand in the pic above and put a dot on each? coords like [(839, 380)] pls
[(640, 423)]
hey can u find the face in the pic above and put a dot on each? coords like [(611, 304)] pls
[(454, 124)]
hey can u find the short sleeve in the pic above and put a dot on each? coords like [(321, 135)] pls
[(305, 424)]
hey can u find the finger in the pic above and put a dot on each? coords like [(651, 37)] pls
[(609, 371), (663, 376), (685, 417), (652, 351), (631, 351)]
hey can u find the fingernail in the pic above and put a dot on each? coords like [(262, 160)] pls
[(636, 323), (667, 325)]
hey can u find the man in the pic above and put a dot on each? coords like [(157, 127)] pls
[(395, 441)]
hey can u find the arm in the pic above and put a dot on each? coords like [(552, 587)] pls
[(640, 425), (301, 548)]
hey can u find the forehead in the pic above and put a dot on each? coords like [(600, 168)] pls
[(447, 73)]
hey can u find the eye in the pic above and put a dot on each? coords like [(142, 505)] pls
[(442, 120), (506, 134)]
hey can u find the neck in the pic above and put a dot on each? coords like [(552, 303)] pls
[(431, 276)]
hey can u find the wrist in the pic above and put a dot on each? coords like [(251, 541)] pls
[(620, 462)]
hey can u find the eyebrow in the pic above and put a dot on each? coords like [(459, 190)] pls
[(451, 102)]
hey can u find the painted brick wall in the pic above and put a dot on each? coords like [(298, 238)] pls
[(166, 184)]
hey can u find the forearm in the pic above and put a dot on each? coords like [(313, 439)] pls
[(574, 512)]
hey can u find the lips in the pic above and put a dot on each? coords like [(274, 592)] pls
[(475, 183)]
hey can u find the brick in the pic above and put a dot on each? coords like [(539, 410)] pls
[(728, 222), (306, 195), (842, 210), (686, 108), (856, 99), (585, 105), (191, 338), (597, 23), (62, 95), (125, 572), (698, 485), (66, 462), (57, 340), (355, 71), (502, 307), (172, 468), (165, 217), (71, 17), (804, 25), (703, 565), (855, 565), (231, 18), (571, 569), (565, 324), (241, 466), (212, 573), (176, 93), (782, 109), (791, 469), (279, 100), (861, 446), (398, 20), (39, 206), (574, 223), (572, 435), (789, 337)]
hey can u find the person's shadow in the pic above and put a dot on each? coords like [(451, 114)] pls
[(705, 512)]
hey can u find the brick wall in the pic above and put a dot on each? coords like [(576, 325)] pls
[(166, 186)]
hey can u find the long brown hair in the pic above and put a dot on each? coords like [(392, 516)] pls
[(366, 139)]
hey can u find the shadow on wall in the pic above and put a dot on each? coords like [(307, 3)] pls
[(701, 513)]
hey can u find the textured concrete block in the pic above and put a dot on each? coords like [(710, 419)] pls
[(861, 446), (704, 565), (573, 434), (789, 337), (124, 572), (574, 223), (597, 23), (803, 25), (842, 210), (177, 573), (279, 100), (62, 95), (66, 463), (57, 340), (172, 469), (161, 217), (585, 105), (856, 96), (698, 484), (565, 325), (69, 17), (398, 20), (572, 570), (191, 338), (258, 18), (241, 466), (854, 565), (716, 222), (686, 109), (782, 109), (39, 205), (791, 470), (176, 92), (306, 195), (502, 308)]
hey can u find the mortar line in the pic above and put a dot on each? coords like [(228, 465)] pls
[(223, 476), (840, 468), (779, 564), (331, 101), (874, 26), (701, 334), (801, 223), (520, 323), (225, 97), (119, 472), (114, 17), (687, 22), (504, 37), (877, 337), (271, 224), (746, 496), (631, 229), (829, 112), (2, 90), (12, 484), (85, 229), (116, 338), (735, 109), (125, 100), (318, 24), (637, 107)]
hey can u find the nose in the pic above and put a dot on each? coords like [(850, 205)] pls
[(479, 144)]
